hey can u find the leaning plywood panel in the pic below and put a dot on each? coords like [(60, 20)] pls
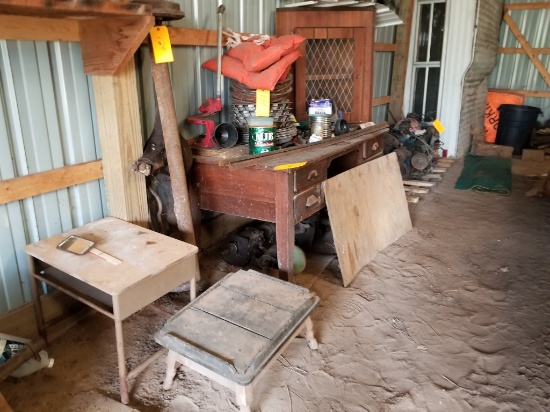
[(368, 211)]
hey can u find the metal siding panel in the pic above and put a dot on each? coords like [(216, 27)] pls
[(47, 121)]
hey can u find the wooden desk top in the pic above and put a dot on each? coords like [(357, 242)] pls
[(143, 253)]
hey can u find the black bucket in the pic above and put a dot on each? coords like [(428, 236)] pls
[(515, 126)]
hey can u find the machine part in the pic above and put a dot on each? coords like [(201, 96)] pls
[(154, 153), (269, 232), (211, 106), (420, 161), (174, 155), (164, 10), (340, 127), (241, 247), (226, 135), (269, 258)]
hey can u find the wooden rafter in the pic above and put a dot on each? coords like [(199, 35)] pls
[(519, 50), (524, 43), (526, 6)]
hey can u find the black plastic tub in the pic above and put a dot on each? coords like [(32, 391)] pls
[(515, 126)]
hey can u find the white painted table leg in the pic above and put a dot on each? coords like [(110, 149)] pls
[(193, 288), (244, 397), (124, 398), (311, 341), (171, 369)]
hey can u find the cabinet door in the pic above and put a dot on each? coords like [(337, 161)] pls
[(333, 66)]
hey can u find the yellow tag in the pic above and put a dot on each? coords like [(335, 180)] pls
[(289, 166), (438, 126), (262, 103), (162, 49)]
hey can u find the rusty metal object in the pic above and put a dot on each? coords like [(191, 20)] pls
[(164, 10)]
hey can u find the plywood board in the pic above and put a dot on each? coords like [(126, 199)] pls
[(368, 211)]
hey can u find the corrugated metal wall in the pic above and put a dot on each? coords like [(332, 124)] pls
[(46, 122), (383, 64), (474, 94), (516, 71)]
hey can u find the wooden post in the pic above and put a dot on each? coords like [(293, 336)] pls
[(400, 60), (117, 107)]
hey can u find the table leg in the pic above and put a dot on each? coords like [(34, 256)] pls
[(121, 363), (244, 397), (284, 219), (193, 288), (310, 337), (38, 313)]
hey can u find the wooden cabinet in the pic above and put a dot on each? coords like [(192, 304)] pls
[(336, 57)]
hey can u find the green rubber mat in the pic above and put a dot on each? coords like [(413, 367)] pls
[(486, 174)]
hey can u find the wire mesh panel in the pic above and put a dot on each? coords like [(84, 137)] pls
[(329, 71)]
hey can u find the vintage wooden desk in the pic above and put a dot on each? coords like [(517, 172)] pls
[(252, 188), (151, 266)]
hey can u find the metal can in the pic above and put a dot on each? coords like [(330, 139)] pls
[(261, 135)]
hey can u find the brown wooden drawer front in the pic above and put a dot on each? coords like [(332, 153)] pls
[(308, 202), (310, 175), (373, 146)]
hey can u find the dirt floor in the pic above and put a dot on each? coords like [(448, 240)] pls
[(454, 316)]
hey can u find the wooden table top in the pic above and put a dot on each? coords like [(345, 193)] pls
[(143, 253)]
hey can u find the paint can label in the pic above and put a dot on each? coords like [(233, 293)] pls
[(261, 139)]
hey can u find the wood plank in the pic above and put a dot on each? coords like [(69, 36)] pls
[(36, 184), (73, 8), (527, 6), (108, 44), (439, 169), (385, 47), (364, 225), (491, 149), (412, 199), (535, 155), (183, 36), (379, 101), (429, 176), (4, 405), (400, 59), (418, 183), (528, 49), (418, 191), (120, 135), (526, 93), (38, 28), (518, 50)]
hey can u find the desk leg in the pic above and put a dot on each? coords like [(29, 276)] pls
[(284, 219), (121, 363), (38, 313)]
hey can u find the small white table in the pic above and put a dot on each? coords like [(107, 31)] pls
[(151, 265)]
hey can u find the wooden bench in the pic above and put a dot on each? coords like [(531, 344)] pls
[(235, 329)]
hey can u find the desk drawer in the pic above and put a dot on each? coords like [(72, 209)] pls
[(308, 202), (309, 175), (373, 146)]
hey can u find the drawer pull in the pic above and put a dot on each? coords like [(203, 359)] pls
[(311, 200), (312, 175), (374, 146)]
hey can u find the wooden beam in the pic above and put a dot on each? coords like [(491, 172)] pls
[(528, 49), (73, 8), (120, 135), (38, 28), (384, 47), (526, 93), (108, 44), (379, 101), (400, 60), (38, 183), (519, 50), (193, 37), (526, 6)]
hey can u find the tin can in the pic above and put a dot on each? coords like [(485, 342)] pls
[(261, 135)]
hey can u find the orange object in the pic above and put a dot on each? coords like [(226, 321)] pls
[(494, 100)]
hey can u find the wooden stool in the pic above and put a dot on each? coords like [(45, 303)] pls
[(235, 329)]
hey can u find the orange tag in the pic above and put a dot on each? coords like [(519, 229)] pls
[(262, 102), (162, 49)]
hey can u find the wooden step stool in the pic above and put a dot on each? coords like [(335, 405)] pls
[(235, 329)]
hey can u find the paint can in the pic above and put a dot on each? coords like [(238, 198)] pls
[(261, 135)]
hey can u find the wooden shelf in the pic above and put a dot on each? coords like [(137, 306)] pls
[(110, 32)]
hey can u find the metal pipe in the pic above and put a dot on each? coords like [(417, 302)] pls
[(221, 10), (28, 351)]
